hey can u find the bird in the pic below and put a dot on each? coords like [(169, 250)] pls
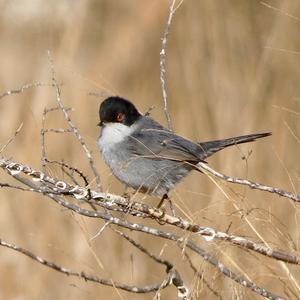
[(145, 155)]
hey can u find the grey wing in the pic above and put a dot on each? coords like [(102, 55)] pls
[(154, 141)]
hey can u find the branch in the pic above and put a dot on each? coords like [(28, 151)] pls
[(118, 203), (253, 185), (162, 61), (228, 273), (12, 138), (85, 276), (199, 274), (23, 88), (183, 291), (80, 193), (72, 126), (62, 164)]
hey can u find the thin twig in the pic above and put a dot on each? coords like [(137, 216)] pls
[(44, 131), (162, 62), (199, 274), (16, 187), (43, 147), (183, 291), (253, 185), (58, 130), (12, 138), (83, 275), (23, 88), (72, 126), (157, 259)]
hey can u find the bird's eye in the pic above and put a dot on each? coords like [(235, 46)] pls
[(120, 117)]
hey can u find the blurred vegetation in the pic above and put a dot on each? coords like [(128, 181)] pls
[(232, 69)]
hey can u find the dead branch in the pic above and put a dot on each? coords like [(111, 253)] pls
[(72, 126), (50, 185), (183, 291), (57, 189), (12, 138), (253, 185), (88, 277), (162, 61), (23, 88), (199, 274)]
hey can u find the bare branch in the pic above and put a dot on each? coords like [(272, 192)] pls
[(199, 274), (12, 138), (253, 185), (162, 61), (16, 187), (14, 169), (159, 260), (43, 134), (228, 273), (118, 203), (23, 88), (66, 166), (183, 291), (72, 126), (173, 237), (58, 130), (85, 276)]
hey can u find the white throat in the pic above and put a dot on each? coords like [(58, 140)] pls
[(113, 133)]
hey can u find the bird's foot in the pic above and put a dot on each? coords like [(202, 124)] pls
[(160, 204), (126, 195)]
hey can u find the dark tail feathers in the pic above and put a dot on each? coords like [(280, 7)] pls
[(211, 147)]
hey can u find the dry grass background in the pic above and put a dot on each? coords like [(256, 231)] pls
[(226, 76)]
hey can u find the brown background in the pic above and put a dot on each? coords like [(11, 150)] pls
[(233, 68)]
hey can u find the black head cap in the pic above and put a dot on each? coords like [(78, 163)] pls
[(118, 110)]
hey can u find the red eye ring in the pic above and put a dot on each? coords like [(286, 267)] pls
[(120, 117)]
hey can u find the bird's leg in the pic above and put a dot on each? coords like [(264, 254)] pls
[(164, 197), (126, 194), (161, 202)]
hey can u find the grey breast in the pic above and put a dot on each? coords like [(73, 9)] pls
[(153, 159)]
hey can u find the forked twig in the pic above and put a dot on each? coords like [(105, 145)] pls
[(72, 126), (83, 275), (199, 274), (176, 280), (43, 132)]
